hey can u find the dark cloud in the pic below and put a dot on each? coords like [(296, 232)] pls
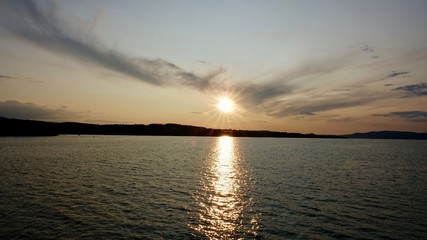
[(202, 83), (7, 77), (396, 73), (15, 109), (414, 90), (41, 24), (413, 116)]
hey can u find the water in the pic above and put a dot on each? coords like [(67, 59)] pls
[(122, 187)]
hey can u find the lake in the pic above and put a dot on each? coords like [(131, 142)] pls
[(146, 187)]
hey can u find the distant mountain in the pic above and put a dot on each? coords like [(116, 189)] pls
[(388, 135), (17, 127)]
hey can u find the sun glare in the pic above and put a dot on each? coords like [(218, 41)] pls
[(225, 105)]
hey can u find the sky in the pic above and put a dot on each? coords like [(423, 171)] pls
[(325, 67)]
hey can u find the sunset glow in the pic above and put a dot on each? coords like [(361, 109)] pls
[(335, 69), (213, 120), (225, 105)]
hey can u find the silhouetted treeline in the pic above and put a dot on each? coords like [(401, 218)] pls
[(17, 127)]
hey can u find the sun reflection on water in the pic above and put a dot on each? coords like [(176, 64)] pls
[(222, 207)]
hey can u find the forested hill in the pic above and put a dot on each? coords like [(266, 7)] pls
[(17, 127), (389, 135)]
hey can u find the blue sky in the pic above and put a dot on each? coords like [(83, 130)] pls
[(302, 66)]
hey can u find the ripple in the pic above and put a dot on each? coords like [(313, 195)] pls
[(211, 188)]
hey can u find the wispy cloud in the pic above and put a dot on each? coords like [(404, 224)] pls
[(393, 74), (202, 62), (200, 113), (414, 90), (303, 79), (396, 73), (343, 119), (42, 25), (13, 78), (7, 77), (413, 116), (15, 109), (256, 94), (314, 106)]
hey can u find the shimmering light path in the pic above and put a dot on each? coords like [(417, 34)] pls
[(225, 186)]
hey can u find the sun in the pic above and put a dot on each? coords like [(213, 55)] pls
[(225, 105)]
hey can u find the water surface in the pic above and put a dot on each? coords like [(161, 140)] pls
[(124, 187)]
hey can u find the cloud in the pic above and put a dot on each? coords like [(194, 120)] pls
[(41, 25), (267, 96), (393, 74), (7, 77), (396, 73), (256, 94), (299, 108), (414, 90), (15, 109), (308, 114), (412, 116), (367, 48), (315, 105)]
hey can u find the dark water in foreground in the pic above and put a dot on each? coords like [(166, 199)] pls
[(120, 187)]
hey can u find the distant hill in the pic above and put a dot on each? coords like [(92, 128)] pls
[(18, 127), (388, 135)]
